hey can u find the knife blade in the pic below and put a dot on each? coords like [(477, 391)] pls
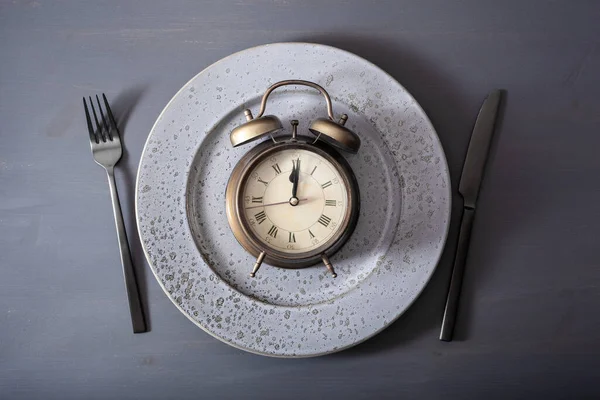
[(470, 183)]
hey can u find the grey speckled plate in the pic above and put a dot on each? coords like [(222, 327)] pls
[(180, 204)]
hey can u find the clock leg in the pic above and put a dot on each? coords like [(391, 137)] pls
[(257, 264), (328, 264)]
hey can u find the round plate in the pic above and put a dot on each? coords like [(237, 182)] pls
[(180, 204)]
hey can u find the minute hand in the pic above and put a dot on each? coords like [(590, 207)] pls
[(295, 177)]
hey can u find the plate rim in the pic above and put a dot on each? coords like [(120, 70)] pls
[(426, 281)]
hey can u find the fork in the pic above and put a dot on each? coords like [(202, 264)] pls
[(107, 150)]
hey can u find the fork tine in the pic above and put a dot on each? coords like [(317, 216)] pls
[(103, 119), (93, 136), (98, 126), (111, 117)]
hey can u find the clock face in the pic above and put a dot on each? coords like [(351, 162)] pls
[(322, 201)]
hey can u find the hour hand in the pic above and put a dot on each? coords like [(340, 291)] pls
[(294, 177), (293, 173)]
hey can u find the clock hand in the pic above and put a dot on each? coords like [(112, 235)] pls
[(294, 178), (275, 204), (293, 173)]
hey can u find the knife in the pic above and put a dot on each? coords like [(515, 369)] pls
[(470, 182)]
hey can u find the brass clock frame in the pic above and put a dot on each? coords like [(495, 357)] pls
[(327, 130), (247, 237)]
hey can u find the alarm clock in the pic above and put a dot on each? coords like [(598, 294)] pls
[(293, 203)]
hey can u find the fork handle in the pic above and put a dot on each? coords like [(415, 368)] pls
[(133, 294)]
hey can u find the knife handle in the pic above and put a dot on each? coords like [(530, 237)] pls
[(458, 269)]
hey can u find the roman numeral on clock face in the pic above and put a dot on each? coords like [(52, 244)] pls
[(312, 236), (324, 220), (326, 184), (292, 238), (263, 182), (330, 203), (260, 217), (257, 199), (273, 231), (276, 168)]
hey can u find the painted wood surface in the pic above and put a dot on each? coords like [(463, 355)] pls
[(529, 319)]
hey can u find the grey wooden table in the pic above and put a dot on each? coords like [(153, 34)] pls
[(530, 317)]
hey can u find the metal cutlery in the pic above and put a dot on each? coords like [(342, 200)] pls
[(470, 182), (105, 142)]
